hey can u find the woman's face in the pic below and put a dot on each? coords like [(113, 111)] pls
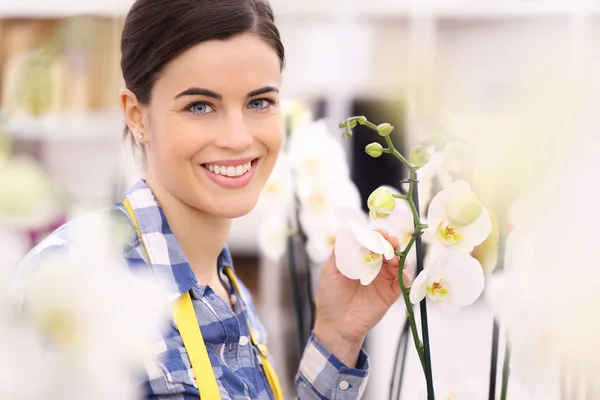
[(213, 129)]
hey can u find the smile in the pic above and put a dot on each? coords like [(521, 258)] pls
[(231, 174)]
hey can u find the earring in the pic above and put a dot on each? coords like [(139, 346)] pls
[(140, 136)]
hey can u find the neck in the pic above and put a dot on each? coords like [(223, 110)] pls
[(201, 235)]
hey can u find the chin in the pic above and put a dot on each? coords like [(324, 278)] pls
[(235, 207)]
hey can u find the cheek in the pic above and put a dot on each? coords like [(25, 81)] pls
[(272, 139), (180, 139)]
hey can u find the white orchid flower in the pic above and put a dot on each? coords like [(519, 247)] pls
[(320, 197), (277, 192), (296, 113), (273, 235), (28, 197), (454, 279), (400, 223), (457, 218), (316, 155), (359, 251), (100, 318), (321, 230)]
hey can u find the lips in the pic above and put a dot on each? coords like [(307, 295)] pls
[(231, 174)]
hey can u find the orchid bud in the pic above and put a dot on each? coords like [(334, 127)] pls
[(384, 129), (419, 156), (381, 203), (464, 209), (374, 149), (343, 125)]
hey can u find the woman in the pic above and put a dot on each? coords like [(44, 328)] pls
[(202, 100)]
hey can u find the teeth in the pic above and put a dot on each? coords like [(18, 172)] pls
[(230, 171)]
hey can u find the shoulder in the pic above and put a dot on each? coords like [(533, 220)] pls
[(60, 243)]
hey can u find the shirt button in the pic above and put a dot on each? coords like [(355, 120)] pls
[(344, 385), (233, 299), (244, 341)]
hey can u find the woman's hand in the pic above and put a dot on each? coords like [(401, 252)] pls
[(347, 310)]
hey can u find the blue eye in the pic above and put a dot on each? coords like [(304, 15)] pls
[(200, 108), (260, 104)]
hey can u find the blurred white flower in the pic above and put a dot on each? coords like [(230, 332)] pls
[(320, 197), (359, 251), (272, 235), (453, 385), (277, 192), (312, 166), (100, 321), (321, 232), (316, 155), (26, 372), (295, 113), (457, 218), (454, 279), (545, 297), (27, 198)]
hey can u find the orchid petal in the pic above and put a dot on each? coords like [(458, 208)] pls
[(418, 290), (370, 273), (348, 255), (388, 249), (465, 277), (474, 234), (437, 209)]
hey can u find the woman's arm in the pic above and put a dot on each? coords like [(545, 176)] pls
[(333, 364)]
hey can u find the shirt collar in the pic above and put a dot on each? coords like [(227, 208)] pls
[(165, 255)]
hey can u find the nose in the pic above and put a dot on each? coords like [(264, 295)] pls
[(234, 134)]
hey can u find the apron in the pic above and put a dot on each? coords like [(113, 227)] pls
[(185, 318)]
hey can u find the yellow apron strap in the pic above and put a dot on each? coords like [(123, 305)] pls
[(262, 349), (185, 318), (186, 321)]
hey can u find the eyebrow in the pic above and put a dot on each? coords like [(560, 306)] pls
[(195, 91)]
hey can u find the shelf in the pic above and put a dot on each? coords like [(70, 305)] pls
[(63, 8), (321, 9), (457, 9), (67, 127)]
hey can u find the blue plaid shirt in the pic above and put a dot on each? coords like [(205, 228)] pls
[(234, 359)]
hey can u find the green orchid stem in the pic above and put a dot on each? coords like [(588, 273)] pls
[(410, 314), (414, 203), (422, 347), (505, 373), (400, 196)]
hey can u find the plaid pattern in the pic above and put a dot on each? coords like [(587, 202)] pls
[(234, 359)]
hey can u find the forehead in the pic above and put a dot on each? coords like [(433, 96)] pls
[(237, 65)]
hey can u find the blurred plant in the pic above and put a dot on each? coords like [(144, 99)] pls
[(310, 180), (83, 323), (545, 295), (458, 222), (28, 198)]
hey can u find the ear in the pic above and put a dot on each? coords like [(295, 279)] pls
[(134, 113)]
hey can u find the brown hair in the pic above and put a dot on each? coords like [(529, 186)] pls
[(157, 31)]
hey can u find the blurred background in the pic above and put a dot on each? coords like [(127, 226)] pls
[(416, 65)]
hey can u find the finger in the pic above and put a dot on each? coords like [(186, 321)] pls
[(393, 263), (383, 233), (393, 240)]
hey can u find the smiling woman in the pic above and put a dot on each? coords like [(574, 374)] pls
[(201, 99)]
